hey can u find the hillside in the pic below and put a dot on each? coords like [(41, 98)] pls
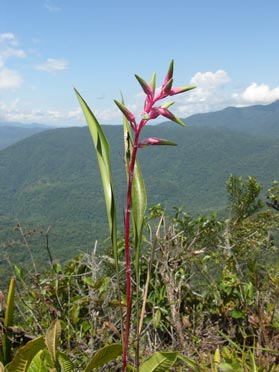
[(52, 178), (253, 120), (12, 133)]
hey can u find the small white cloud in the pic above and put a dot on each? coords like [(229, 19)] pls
[(50, 6), (257, 94), (75, 114), (53, 65), (8, 37), (12, 52), (9, 78), (210, 80)]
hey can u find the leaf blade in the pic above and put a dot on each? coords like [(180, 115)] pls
[(159, 362), (104, 356), (25, 355), (53, 335)]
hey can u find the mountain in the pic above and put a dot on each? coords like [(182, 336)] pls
[(253, 120), (13, 132), (52, 178)]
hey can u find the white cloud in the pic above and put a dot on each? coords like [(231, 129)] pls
[(18, 111), (12, 52), (8, 37), (210, 94), (49, 5), (53, 65), (9, 78), (215, 91), (210, 80), (76, 114), (257, 94)]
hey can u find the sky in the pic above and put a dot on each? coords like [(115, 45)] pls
[(228, 49)]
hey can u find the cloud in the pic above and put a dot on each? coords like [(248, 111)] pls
[(257, 94), (215, 91), (53, 65), (16, 111), (51, 7), (9, 78), (210, 80), (8, 37), (211, 94), (12, 52)]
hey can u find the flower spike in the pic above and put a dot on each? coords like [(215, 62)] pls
[(156, 111), (153, 83), (153, 141), (166, 89), (169, 73), (146, 87), (128, 114), (179, 90)]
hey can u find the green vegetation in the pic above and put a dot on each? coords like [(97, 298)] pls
[(213, 292), (52, 178), (12, 133), (205, 290)]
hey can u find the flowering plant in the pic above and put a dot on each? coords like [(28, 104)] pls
[(135, 195)]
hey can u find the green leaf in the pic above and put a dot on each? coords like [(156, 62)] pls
[(25, 355), (237, 314), (65, 362), (226, 367), (104, 356), (8, 321), (38, 363), (139, 199), (159, 362), (191, 363), (103, 155), (53, 337), (74, 313), (157, 318)]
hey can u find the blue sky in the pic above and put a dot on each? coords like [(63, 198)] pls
[(229, 49)]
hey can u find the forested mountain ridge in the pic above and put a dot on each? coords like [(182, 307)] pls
[(12, 133), (52, 178), (253, 120)]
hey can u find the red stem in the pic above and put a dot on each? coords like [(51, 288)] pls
[(127, 247)]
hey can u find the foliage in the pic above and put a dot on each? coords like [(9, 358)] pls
[(202, 286), (243, 197), (213, 286), (5, 334), (42, 182)]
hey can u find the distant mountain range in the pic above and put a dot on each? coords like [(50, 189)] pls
[(13, 132), (253, 120), (52, 177)]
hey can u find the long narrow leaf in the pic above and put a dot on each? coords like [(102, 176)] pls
[(53, 337), (139, 199), (8, 321), (102, 149), (103, 156)]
